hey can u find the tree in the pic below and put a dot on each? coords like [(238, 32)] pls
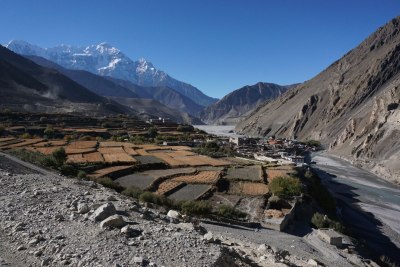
[(152, 132), (49, 131), (285, 186), (60, 156)]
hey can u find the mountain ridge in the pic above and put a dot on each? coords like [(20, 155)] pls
[(351, 106), (105, 60), (236, 105)]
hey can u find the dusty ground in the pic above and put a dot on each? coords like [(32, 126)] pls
[(42, 224)]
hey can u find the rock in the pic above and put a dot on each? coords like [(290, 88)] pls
[(59, 217), (46, 262), (186, 226), (103, 212), (128, 231), (83, 208), (312, 262), (114, 221), (262, 248), (33, 242), (38, 253), (111, 198), (21, 248), (138, 260), (356, 260), (173, 214), (208, 237)]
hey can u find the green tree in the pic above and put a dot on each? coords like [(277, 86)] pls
[(152, 132), (60, 156), (49, 131), (285, 186)]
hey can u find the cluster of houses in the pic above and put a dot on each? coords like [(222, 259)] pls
[(271, 149)]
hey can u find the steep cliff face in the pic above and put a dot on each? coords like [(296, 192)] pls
[(234, 106), (352, 106)]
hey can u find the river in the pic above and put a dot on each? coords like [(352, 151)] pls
[(369, 206), (220, 130)]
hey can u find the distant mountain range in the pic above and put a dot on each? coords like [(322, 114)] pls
[(48, 87), (234, 107), (111, 87), (105, 60), (27, 86), (352, 106)]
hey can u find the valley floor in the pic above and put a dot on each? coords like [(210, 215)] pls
[(369, 205)]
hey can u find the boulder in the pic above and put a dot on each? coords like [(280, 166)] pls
[(114, 221), (83, 208), (209, 237), (103, 212), (173, 214), (128, 231), (312, 262)]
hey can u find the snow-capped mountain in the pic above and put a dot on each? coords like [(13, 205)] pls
[(106, 60)]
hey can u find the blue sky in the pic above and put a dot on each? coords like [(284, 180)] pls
[(215, 45)]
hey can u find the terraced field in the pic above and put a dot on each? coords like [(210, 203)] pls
[(248, 188), (190, 192), (272, 173), (204, 177), (247, 173), (109, 171), (168, 186)]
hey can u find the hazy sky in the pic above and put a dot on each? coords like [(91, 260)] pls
[(215, 45)]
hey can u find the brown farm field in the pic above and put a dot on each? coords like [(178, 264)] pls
[(82, 144), (204, 177), (272, 173), (118, 157), (248, 188), (109, 170), (248, 173), (168, 186)]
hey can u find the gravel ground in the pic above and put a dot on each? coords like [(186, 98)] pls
[(49, 220)]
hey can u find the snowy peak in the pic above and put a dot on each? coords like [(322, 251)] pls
[(25, 48), (106, 60)]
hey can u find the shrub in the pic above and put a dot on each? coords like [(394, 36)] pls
[(26, 136), (319, 220), (320, 193), (68, 170), (315, 143), (108, 182), (81, 174), (156, 199), (152, 132), (196, 208), (230, 212), (132, 191), (285, 186), (59, 156)]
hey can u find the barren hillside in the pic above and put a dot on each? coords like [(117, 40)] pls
[(352, 106)]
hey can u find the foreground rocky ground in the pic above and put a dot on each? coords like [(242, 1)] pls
[(48, 220)]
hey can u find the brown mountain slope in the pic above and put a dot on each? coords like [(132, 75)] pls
[(352, 106), (27, 86), (234, 106)]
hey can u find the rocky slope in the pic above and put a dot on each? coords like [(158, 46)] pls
[(352, 106), (27, 86), (234, 106), (105, 60), (150, 108), (48, 220)]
